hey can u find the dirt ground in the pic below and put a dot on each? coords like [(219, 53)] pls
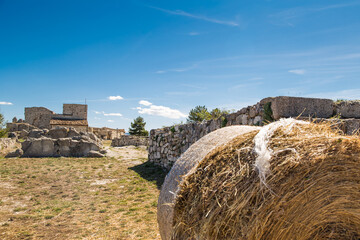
[(80, 198)]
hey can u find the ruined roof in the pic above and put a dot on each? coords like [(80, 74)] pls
[(69, 122)]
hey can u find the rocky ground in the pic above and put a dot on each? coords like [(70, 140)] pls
[(80, 198)]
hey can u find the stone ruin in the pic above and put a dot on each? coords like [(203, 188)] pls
[(107, 133), (74, 115), (130, 140), (48, 134), (57, 142)]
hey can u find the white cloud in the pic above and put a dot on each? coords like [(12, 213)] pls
[(113, 98), (97, 112), (145, 103), (297, 71), (108, 114), (203, 18), (162, 111), (110, 121), (113, 114), (6, 103)]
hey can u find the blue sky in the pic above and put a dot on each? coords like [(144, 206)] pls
[(159, 59)]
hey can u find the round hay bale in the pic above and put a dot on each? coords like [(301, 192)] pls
[(290, 180), (185, 165)]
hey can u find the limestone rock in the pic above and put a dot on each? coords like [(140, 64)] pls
[(72, 133), (57, 133), (284, 107), (94, 154), (348, 109), (38, 147), (64, 147), (17, 153), (244, 119), (23, 126), (23, 133), (252, 112), (36, 133), (12, 135)]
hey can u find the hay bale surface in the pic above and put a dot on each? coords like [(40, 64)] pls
[(187, 164), (310, 190)]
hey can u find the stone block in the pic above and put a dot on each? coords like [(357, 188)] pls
[(23, 133), (284, 107), (94, 154), (348, 109), (35, 133), (23, 126), (12, 127), (17, 153), (252, 112), (43, 147), (64, 146), (58, 133), (244, 119), (258, 120)]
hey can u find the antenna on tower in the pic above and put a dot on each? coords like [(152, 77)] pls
[(85, 101)]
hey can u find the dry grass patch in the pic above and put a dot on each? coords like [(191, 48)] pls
[(78, 198)]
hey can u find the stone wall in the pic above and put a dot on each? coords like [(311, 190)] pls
[(167, 144), (38, 116), (130, 140), (75, 110)]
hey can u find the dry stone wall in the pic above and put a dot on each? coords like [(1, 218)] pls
[(130, 140), (167, 144)]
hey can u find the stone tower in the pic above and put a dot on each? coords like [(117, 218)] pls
[(75, 110)]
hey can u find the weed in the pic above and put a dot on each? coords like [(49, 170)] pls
[(268, 114), (224, 121), (172, 129)]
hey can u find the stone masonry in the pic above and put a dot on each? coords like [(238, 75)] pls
[(167, 144), (74, 115), (129, 140)]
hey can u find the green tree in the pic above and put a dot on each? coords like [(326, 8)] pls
[(199, 114), (3, 131), (138, 127), (217, 112)]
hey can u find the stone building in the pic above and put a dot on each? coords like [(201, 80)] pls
[(107, 133), (74, 115)]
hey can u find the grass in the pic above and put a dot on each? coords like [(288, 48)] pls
[(78, 198)]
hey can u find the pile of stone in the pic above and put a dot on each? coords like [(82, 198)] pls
[(59, 142), (19, 129), (130, 140)]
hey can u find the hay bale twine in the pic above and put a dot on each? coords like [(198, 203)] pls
[(185, 165), (289, 180)]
